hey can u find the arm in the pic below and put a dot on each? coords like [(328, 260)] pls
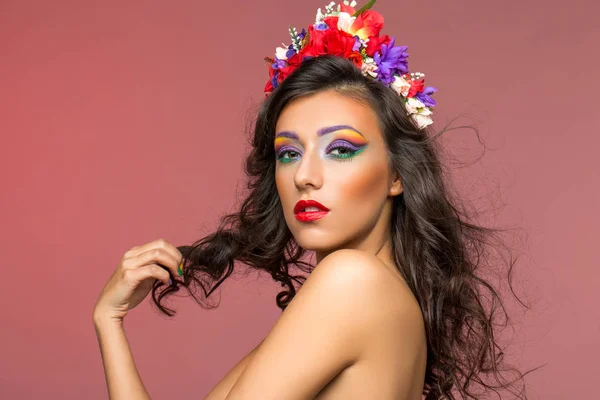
[(323, 331), (122, 378), (129, 284), (224, 386)]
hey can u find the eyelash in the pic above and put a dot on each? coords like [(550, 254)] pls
[(340, 145)]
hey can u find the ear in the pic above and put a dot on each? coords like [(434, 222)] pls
[(395, 186)]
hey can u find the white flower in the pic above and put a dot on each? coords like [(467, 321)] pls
[(280, 52), (369, 67), (419, 112), (329, 11), (423, 118), (345, 21), (400, 85), (319, 16), (413, 105)]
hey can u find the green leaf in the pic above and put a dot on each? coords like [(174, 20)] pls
[(364, 8), (295, 40)]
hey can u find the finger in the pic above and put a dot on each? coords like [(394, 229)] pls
[(138, 275), (153, 256), (159, 243)]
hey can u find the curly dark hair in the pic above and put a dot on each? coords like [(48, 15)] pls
[(435, 248)]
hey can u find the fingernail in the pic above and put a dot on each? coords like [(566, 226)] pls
[(170, 281), (180, 269)]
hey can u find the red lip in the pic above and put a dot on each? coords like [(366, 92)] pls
[(307, 216), (302, 204)]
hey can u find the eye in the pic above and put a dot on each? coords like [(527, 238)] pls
[(286, 156), (341, 150)]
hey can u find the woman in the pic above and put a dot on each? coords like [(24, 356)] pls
[(342, 166)]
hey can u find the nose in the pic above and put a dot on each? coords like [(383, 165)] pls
[(309, 172)]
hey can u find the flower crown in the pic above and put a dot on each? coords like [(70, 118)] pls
[(343, 31)]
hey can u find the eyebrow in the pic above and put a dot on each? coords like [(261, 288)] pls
[(320, 132)]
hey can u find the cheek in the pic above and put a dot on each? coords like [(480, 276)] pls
[(367, 183), (284, 182)]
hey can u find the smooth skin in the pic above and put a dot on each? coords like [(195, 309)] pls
[(129, 284), (354, 330)]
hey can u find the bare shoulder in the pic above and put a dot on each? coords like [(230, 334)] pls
[(366, 284), (345, 301)]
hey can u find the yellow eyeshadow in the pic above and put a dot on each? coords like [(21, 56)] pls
[(280, 141), (351, 136), (347, 134)]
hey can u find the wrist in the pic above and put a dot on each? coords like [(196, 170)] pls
[(102, 321)]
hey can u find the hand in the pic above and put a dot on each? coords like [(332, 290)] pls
[(134, 278)]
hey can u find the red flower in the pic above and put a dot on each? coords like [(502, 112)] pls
[(331, 22), (374, 44), (416, 86), (367, 25), (347, 9), (292, 63), (331, 41), (269, 85)]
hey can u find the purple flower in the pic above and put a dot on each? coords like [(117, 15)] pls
[(321, 26), (357, 43), (391, 60), (424, 96), (279, 64), (274, 81), (276, 65), (291, 51)]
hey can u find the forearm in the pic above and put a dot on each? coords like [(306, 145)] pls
[(122, 378)]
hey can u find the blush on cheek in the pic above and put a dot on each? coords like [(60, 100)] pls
[(366, 183)]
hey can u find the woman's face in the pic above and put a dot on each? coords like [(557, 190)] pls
[(329, 149)]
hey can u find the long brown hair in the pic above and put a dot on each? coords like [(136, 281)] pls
[(437, 248)]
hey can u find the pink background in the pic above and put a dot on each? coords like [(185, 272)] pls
[(123, 122)]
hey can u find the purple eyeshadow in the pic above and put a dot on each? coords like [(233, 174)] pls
[(283, 149), (344, 144)]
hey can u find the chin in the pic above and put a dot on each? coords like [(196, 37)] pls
[(317, 241)]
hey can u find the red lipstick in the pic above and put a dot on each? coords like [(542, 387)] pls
[(315, 210)]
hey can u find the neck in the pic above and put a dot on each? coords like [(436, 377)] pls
[(377, 241)]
